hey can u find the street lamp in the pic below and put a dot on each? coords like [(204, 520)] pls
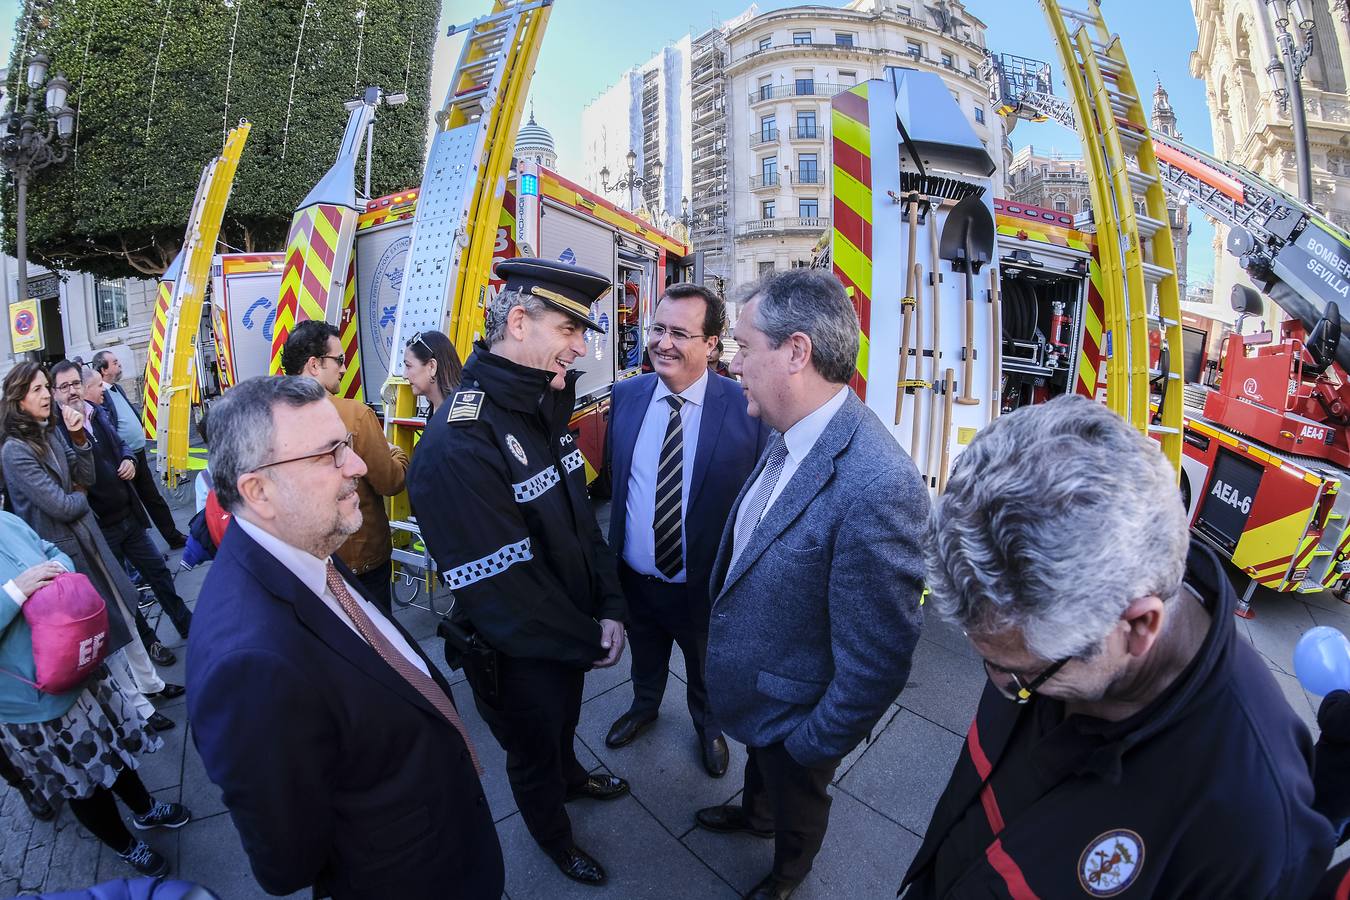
[(631, 180), (25, 148), (1287, 76)]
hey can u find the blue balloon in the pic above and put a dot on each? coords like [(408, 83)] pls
[(1322, 660)]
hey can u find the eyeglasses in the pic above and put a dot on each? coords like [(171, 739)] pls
[(69, 385), (338, 451), (1023, 687), (658, 332), (340, 360)]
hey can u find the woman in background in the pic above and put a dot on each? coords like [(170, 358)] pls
[(432, 367)]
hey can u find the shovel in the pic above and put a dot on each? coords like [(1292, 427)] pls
[(968, 241)]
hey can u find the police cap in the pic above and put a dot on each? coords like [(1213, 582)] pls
[(568, 289)]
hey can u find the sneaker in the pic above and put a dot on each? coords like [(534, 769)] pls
[(160, 722), (163, 815), (161, 655), (146, 861)]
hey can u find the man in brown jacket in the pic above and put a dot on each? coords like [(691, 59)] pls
[(315, 349)]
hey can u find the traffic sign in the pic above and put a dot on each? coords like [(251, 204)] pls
[(25, 326)]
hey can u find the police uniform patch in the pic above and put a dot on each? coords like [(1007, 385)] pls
[(465, 407), (516, 450), (1111, 862)]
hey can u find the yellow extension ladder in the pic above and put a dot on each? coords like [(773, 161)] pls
[(1134, 249)]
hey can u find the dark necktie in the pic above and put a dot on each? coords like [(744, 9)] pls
[(423, 683), (753, 510), (669, 515)]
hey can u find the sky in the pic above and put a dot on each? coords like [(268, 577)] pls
[(1158, 36)]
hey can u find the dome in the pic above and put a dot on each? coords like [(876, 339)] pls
[(534, 137)]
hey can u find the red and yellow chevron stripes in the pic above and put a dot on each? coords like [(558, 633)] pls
[(1091, 375), (851, 248), (154, 361), (389, 208), (220, 333), (308, 283), (350, 327)]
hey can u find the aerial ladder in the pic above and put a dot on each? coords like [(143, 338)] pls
[(171, 374)]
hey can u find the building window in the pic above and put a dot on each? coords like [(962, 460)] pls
[(905, 11), (768, 128), (807, 170), (979, 114), (766, 43), (843, 39), (801, 37), (847, 79), (974, 71), (765, 88), (768, 169), (1061, 206), (111, 304), (914, 49), (766, 268), (948, 60), (808, 209), (766, 209), (1338, 163), (806, 124)]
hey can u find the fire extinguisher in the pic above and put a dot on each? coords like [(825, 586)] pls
[(1059, 323)]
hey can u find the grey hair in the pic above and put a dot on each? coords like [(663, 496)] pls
[(813, 302), (500, 306), (1055, 519), (243, 427)]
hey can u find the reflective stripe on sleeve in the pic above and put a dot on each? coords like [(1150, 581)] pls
[(574, 460), (537, 485), (492, 564)]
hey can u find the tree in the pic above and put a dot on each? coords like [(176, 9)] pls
[(158, 82)]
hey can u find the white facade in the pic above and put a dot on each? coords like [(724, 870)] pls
[(646, 112), (535, 144), (784, 67)]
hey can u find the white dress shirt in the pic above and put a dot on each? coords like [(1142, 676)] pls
[(313, 574), (639, 543), (800, 438)]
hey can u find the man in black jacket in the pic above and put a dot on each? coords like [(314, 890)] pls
[(499, 488), (1129, 742), (121, 517)]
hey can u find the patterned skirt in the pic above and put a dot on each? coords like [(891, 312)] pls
[(85, 749)]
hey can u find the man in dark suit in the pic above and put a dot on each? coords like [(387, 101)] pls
[(678, 449), (333, 738), (817, 581)]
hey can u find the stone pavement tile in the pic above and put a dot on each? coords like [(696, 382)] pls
[(75, 856), (944, 686), (211, 855), (164, 767), (199, 794), (1280, 621), (642, 858), (598, 681), (164, 840), (663, 765), (904, 772), (864, 745), (941, 632), (1337, 617), (9, 888), (864, 854), (434, 648), (15, 825)]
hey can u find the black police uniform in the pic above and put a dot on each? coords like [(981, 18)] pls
[(1204, 793), (498, 485)]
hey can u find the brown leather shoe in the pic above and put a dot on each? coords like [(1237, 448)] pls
[(729, 819), (627, 727)]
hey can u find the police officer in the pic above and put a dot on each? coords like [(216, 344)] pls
[(498, 485)]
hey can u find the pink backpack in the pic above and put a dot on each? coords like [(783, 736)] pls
[(69, 621)]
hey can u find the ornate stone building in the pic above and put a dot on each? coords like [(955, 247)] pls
[(1236, 44)]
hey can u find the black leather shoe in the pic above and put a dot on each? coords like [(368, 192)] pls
[(161, 655), (170, 692), (578, 865), (772, 888), (728, 819), (37, 806), (715, 755), (599, 787), (627, 727), (161, 722), (178, 541)]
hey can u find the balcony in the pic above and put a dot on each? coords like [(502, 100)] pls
[(809, 225), (763, 136), (801, 89), (809, 176), (808, 133), (768, 181)]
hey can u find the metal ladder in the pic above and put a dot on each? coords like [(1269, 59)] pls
[(183, 309), (1113, 125)]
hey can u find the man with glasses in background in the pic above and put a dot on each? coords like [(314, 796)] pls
[(314, 348), (1128, 738), (678, 449), (334, 740)]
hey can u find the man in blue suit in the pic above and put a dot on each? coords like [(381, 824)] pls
[(332, 737), (816, 586), (679, 446)]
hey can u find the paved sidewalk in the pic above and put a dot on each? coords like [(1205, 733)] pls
[(883, 792)]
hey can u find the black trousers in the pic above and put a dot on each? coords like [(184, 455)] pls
[(535, 721), (378, 582), (793, 801), (98, 812), (129, 541), (148, 491), (660, 616)]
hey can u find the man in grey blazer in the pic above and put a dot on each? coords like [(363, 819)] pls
[(817, 582)]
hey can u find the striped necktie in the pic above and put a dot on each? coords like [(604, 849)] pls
[(668, 519), (753, 508)]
